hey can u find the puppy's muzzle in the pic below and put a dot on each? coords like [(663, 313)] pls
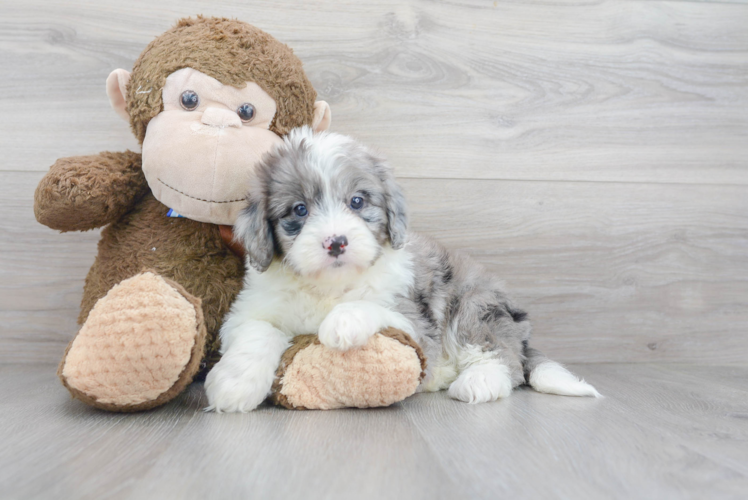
[(335, 245)]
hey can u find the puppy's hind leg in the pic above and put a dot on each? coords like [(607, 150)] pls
[(485, 336), (483, 377)]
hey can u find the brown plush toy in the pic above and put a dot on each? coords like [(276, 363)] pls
[(206, 100)]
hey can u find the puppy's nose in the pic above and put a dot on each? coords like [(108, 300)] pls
[(336, 245), (221, 118)]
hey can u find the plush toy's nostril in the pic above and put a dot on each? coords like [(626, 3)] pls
[(336, 245), (217, 117)]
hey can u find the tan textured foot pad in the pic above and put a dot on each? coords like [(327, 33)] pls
[(313, 377), (139, 347)]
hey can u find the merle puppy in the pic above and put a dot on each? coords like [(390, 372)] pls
[(328, 250)]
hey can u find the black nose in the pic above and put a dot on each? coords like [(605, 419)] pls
[(336, 245)]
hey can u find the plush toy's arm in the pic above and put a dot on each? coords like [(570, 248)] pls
[(85, 192)]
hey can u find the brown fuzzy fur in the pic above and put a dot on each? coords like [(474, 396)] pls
[(109, 189), (188, 252), (86, 192), (233, 53)]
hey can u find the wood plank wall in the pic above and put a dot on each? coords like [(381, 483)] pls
[(594, 153)]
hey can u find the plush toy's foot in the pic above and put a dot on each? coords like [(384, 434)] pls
[(140, 346), (313, 377)]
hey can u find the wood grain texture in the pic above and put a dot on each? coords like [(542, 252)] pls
[(634, 271), (654, 273), (645, 91), (661, 432), (593, 154), (42, 276), (637, 443)]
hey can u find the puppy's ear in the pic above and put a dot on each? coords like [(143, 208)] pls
[(253, 230), (397, 214), (397, 208)]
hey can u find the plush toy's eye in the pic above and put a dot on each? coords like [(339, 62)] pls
[(189, 100), (246, 112), (357, 202), (300, 210)]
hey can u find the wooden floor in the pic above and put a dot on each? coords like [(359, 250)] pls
[(661, 432), (592, 153)]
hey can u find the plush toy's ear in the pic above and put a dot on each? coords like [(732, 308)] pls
[(116, 89), (322, 116)]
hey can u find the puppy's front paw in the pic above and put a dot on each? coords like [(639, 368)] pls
[(233, 388), (482, 383), (348, 325)]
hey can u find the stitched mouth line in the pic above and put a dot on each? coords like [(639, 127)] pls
[(195, 197)]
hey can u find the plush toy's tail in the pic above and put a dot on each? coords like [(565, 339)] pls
[(550, 377)]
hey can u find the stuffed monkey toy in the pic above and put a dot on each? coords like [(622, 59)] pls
[(206, 100)]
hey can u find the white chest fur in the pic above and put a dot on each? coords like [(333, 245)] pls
[(297, 305)]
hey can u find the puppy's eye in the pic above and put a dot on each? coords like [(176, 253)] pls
[(300, 210), (189, 100), (357, 202), (246, 112)]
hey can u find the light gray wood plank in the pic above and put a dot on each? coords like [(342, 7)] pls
[(730, 377), (701, 409), (42, 276), (74, 451), (638, 272), (284, 454), (615, 91), (639, 442), (56, 447), (608, 271), (660, 433)]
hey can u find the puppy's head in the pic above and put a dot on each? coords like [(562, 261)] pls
[(325, 204)]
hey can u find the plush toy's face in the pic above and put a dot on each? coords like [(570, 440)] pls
[(199, 151), (203, 134)]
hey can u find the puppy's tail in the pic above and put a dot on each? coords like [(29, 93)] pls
[(550, 377)]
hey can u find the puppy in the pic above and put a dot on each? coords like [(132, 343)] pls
[(328, 251)]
